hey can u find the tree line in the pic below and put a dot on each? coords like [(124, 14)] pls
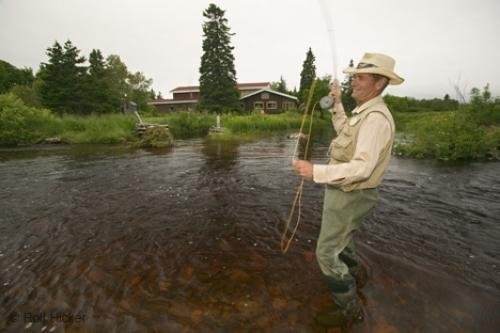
[(67, 84), (395, 103)]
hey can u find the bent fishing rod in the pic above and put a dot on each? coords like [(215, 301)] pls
[(326, 102)]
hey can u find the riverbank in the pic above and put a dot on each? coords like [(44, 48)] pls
[(471, 133), (23, 125), (185, 125)]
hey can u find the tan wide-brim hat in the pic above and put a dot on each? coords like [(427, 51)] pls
[(376, 63)]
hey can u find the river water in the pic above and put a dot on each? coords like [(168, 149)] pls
[(111, 239)]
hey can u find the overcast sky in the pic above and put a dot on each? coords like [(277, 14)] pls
[(436, 43)]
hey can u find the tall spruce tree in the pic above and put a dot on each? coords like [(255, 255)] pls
[(98, 94), (49, 76), (218, 89), (62, 79), (307, 75), (347, 100)]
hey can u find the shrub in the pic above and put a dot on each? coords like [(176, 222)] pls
[(483, 108), (186, 124), (27, 94), (446, 136), (493, 142), (20, 124)]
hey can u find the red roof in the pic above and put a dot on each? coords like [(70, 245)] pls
[(256, 84), (241, 86)]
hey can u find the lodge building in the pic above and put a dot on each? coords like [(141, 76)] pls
[(253, 96)]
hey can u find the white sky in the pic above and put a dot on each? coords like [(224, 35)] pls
[(436, 43)]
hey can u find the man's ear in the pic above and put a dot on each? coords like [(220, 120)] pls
[(382, 83)]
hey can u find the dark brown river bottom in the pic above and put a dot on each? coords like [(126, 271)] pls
[(106, 239)]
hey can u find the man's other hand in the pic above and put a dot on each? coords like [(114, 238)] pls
[(303, 168)]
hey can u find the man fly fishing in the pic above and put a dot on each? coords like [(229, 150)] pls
[(359, 156)]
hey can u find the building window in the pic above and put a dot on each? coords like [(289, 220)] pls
[(264, 95), (272, 105), (258, 105)]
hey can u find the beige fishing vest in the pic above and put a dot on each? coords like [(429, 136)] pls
[(343, 146)]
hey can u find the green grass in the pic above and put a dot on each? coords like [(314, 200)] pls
[(261, 123), (187, 124), (111, 128)]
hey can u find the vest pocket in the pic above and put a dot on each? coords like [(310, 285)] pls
[(340, 148)]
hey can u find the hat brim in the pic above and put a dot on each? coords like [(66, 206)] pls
[(393, 77)]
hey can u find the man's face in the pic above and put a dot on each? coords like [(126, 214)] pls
[(364, 87)]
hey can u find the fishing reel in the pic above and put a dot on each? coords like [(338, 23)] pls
[(326, 102)]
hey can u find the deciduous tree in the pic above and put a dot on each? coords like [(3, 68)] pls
[(11, 76)]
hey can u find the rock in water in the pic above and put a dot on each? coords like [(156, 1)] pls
[(156, 137)]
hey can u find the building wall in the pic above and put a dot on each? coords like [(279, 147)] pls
[(274, 103), (254, 102), (186, 96), (166, 108)]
